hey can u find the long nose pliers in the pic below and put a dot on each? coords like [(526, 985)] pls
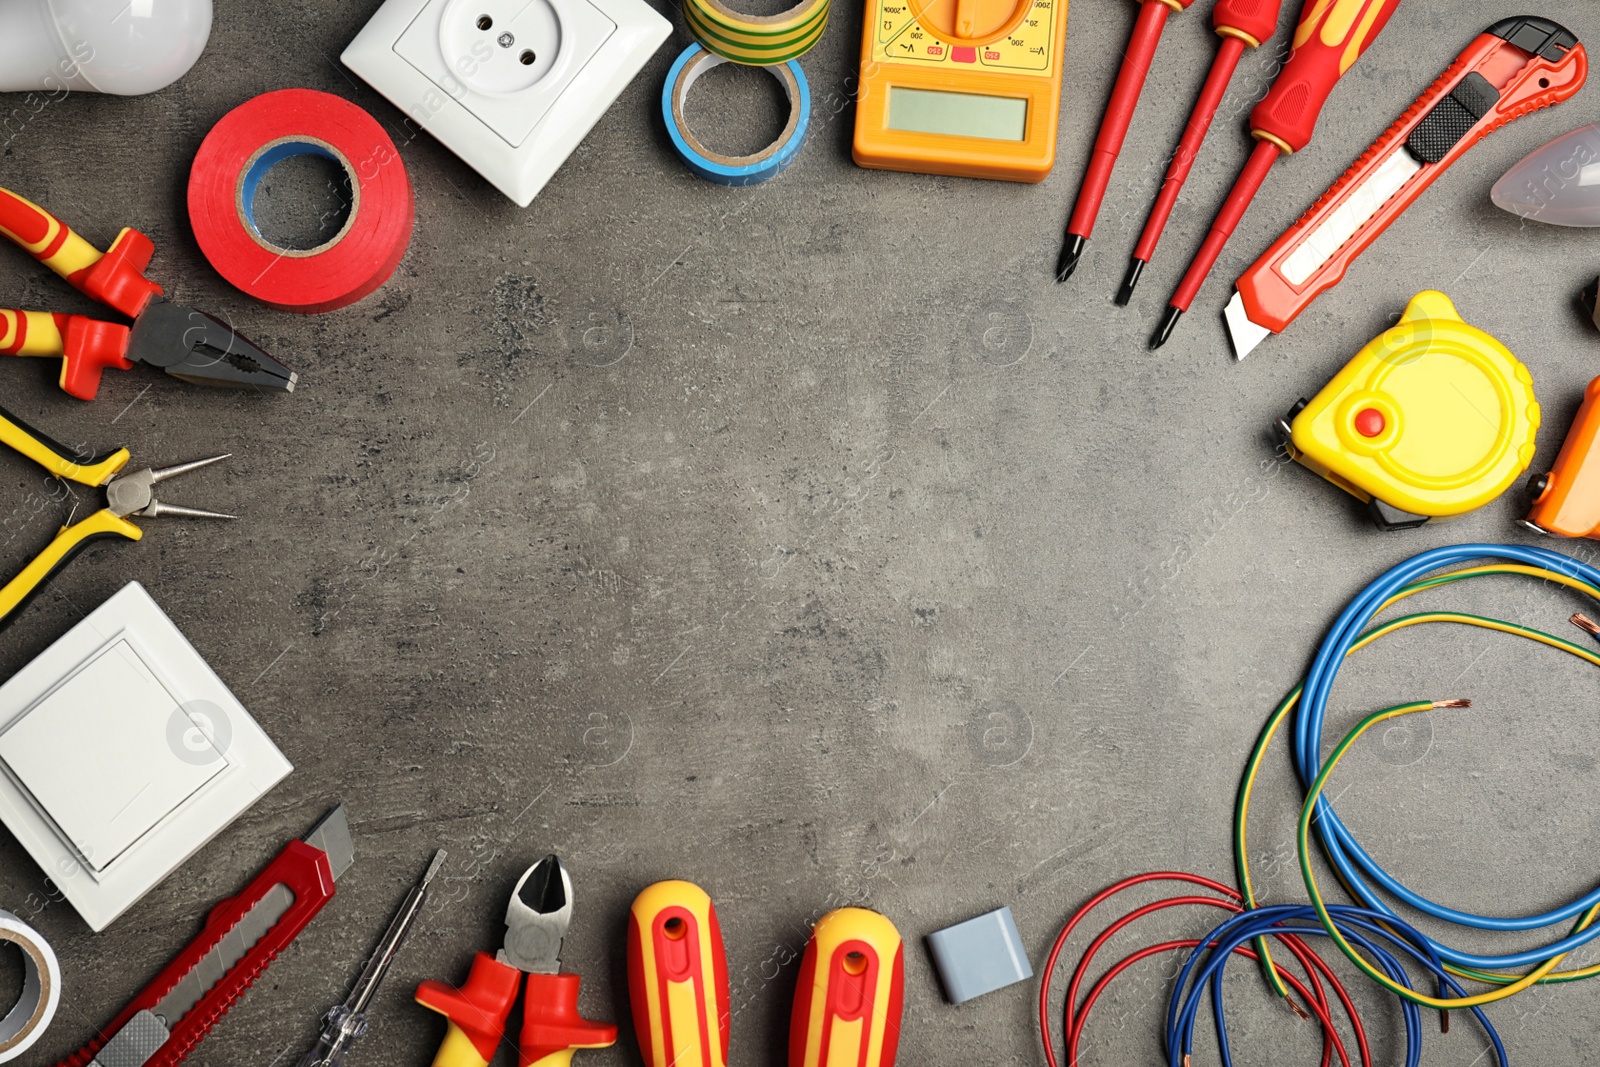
[(126, 495), (187, 344)]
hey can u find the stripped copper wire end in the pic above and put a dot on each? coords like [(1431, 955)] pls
[(1297, 1009), (1586, 624), (1454, 702)]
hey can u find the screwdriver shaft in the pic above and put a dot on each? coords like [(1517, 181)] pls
[(1194, 136), (1244, 191)]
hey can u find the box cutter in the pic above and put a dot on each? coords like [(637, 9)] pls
[(1517, 66), (242, 935)]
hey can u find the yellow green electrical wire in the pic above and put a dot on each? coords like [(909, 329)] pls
[(1511, 983)]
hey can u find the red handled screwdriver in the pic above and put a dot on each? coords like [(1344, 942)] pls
[(1136, 61), (1331, 36), (1241, 24)]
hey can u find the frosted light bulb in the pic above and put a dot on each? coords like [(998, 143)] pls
[(125, 47), (1558, 184)]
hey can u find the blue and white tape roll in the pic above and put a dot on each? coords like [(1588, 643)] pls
[(734, 170)]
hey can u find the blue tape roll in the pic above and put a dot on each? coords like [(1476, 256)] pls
[(734, 170)]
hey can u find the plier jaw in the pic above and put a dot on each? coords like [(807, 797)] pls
[(202, 350), (134, 494), (537, 918)]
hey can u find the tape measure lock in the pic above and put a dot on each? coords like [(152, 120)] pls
[(30, 1017), (258, 135), (715, 166)]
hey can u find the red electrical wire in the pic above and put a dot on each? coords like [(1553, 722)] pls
[(1331, 1041), (1061, 941), (1074, 1017)]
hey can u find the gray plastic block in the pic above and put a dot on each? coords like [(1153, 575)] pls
[(979, 956)]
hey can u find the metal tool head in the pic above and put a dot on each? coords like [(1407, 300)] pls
[(537, 918), (199, 348), (1242, 330), (134, 493), (332, 835)]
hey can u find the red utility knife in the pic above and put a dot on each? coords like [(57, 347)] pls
[(242, 935), (1515, 67)]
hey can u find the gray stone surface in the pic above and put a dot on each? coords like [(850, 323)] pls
[(806, 541)]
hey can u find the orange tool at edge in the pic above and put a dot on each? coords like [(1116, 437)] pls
[(1241, 24), (1330, 37), (1141, 50), (1567, 498), (1515, 67)]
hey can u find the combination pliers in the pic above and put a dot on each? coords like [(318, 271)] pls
[(190, 345)]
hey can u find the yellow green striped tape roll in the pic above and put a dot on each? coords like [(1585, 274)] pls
[(757, 40)]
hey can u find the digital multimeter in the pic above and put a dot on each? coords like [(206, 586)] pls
[(970, 88)]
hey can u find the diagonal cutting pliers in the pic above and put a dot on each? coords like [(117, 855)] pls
[(187, 344), (552, 1029), (126, 494)]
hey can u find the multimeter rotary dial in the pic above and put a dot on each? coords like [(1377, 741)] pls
[(970, 22)]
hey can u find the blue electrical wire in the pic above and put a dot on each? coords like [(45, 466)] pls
[(1217, 948), (1343, 851)]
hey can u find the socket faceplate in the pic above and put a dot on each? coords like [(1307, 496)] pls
[(510, 86)]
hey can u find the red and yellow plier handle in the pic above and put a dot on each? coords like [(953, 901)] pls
[(552, 1028), (114, 278), (70, 540)]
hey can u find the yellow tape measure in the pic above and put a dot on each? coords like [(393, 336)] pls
[(1431, 419)]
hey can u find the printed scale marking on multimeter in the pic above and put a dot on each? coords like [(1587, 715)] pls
[(963, 87)]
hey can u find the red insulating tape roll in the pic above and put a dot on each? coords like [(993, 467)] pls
[(248, 142)]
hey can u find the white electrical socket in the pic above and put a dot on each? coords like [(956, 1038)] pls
[(510, 86)]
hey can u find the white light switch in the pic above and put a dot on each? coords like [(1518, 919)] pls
[(96, 754), (121, 753)]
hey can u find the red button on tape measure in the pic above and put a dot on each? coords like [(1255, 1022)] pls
[(252, 139)]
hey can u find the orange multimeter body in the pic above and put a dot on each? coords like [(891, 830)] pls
[(970, 88)]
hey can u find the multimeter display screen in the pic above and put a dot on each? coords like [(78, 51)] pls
[(997, 118)]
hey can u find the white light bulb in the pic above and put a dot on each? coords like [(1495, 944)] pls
[(125, 47)]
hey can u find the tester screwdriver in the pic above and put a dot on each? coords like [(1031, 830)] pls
[(1331, 36), (1241, 24), (1136, 61), (346, 1023)]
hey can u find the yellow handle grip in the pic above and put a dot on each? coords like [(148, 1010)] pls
[(45, 237), (31, 333), (68, 543), (457, 1050), (55, 457)]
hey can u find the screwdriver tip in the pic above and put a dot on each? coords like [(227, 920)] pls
[(1169, 322), (1130, 281), (1071, 253)]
